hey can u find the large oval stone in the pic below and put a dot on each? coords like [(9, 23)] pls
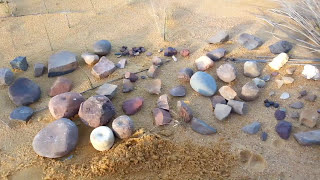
[(24, 92), (57, 139), (203, 83)]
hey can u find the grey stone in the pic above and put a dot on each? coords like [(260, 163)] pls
[(103, 68), (20, 63), (123, 127), (39, 69), (297, 105), (266, 78), (238, 107), (259, 82), (162, 102), (217, 99), (203, 83), (102, 47), (249, 41), (252, 128), (161, 117), (90, 58), (251, 69), (280, 47), (203, 63), (302, 93), (264, 136), (184, 111), (222, 111), (128, 86), (185, 74), (6, 76), (179, 91), (217, 54), (61, 63), (154, 86), (220, 37), (22, 113), (57, 139), (227, 72), (311, 98), (283, 128), (131, 76), (249, 91), (24, 92), (108, 90), (308, 138), (201, 127), (295, 115)]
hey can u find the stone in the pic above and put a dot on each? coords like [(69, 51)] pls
[(90, 58), (57, 139), (309, 118), (203, 63), (102, 138), (153, 71), (311, 72), (251, 69), (184, 111), (275, 73), (252, 128), (185, 52), (220, 37), (227, 92), (24, 92), (170, 51), (297, 105), (283, 128), (6, 76), (20, 63), (131, 76), (162, 102), (266, 78), (157, 61), (108, 90), (264, 136), (308, 138), (22, 113), (311, 98), (161, 117), (123, 127), (38, 69), (201, 127), (132, 106), (222, 111), (217, 99), (179, 91), (103, 68), (217, 54), (280, 115), (238, 107), (61, 63), (96, 111), (128, 86), (122, 63), (102, 47), (295, 115), (302, 93), (259, 82), (291, 70), (284, 96), (149, 54), (61, 85), (227, 72), (249, 41), (203, 83), (280, 47), (185, 74), (279, 82), (154, 86), (65, 105), (249, 91), (279, 61), (287, 80)]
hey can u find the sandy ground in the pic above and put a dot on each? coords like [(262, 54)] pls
[(47, 26)]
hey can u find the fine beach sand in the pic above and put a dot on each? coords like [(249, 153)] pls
[(170, 152)]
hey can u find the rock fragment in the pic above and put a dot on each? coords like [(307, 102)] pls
[(287, 80), (291, 70), (153, 71), (311, 72), (227, 72), (132, 106), (22, 113), (90, 58), (203, 63), (216, 54), (24, 92), (283, 128), (161, 117), (108, 90), (280, 115), (297, 105), (61, 63), (154, 87), (227, 92), (122, 63), (284, 96), (20, 63), (162, 102), (184, 111), (170, 51), (249, 91), (61, 85), (220, 37), (249, 41), (103, 68), (123, 127), (279, 61), (217, 99), (251, 69), (157, 61), (252, 128), (127, 86), (185, 74), (6, 76), (179, 91), (185, 52), (131, 76), (201, 127), (222, 111), (102, 47), (203, 83), (259, 82), (38, 69), (280, 47), (309, 118), (238, 107), (311, 97), (308, 138)]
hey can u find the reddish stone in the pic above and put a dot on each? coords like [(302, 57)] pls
[(61, 85), (103, 68), (132, 106), (184, 111), (184, 52), (161, 117)]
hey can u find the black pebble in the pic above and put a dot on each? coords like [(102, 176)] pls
[(143, 77), (266, 101), (271, 103), (276, 105), (267, 104), (264, 136)]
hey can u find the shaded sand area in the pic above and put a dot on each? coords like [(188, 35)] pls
[(170, 152)]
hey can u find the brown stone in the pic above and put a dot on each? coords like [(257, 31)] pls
[(61, 85), (103, 68)]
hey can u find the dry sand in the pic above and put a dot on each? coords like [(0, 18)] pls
[(47, 26)]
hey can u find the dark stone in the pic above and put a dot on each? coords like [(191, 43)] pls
[(6, 76), (276, 105), (161, 117), (61, 63), (302, 93), (311, 98), (131, 76), (179, 91), (20, 63), (201, 127), (217, 99), (38, 69), (280, 47), (162, 102), (280, 115), (184, 111), (249, 41), (102, 47), (22, 113), (185, 74), (267, 104), (170, 51), (308, 138), (24, 92), (103, 68), (216, 54), (132, 106), (128, 86), (283, 128), (264, 136)]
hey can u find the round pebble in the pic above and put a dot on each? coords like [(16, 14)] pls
[(123, 127), (102, 47), (102, 138), (203, 83)]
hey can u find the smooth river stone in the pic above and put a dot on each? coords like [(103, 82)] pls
[(24, 92), (61, 63), (203, 83)]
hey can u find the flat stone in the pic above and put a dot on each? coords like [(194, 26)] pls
[(308, 138), (108, 90), (251, 69), (249, 41), (39, 69), (6, 76), (131, 76), (103, 68), (161, 117), (128, 86), (238, 107), (132, 106), (123, 127), (227, 92), (157, 61), (203, 83), (249, 91), (291, 70), (285, 95), (295, 115), (184, 111), (179, 91), (220, 37), (102, 47), (57, 139), (22, 113), (287, 80), (259, 82), (162, 102), (170, 51), (227, 72), (185, 74), (217, 54), (201, 127), (279, 61), (90, 58), (280, 115), (203, 63), (154, 86), (65, 105), (252, 128), (24, 92), (222, 111), (297, 105), (283, 128), (96, 111), (309, 118), (152, 71), (122, 63), (61, 85), (185, 52), (280, 47), (20, 63), (217, 99), (311, 72), (61, 63), (311, 97)]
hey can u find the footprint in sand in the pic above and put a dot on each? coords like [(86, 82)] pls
[(253, 162)]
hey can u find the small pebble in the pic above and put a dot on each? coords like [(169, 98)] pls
[(297, 105), (295, 115), (128, 86), (311, 98), (274, 74), (201, 127), (276, 105), (6, 76), (266, 78), (280, 115), (179, 91), (149, 54), (285, 95), (266, 101), (279, 82), (38, 69), (184, 52), (227, 72), (20, 63), (132, 106), (185, 74), (291, 70), (264, 136), (267, 104), (170, 51), (252, 128), (217, 99), (302, 93), (216, 54), (143, 77)]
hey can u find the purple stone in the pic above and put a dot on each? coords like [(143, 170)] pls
[(283, 128), (170, 51), (280, 115)]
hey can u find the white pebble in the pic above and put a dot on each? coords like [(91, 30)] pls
[(102, 138), (311, 72), (285, 95), (279, 61)]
